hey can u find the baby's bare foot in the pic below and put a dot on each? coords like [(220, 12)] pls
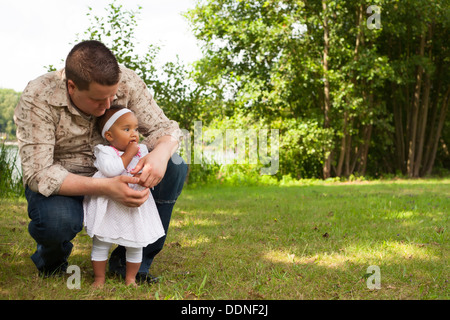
[(131, 283), (98, 284)]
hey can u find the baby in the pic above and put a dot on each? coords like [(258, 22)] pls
[(107, 221)]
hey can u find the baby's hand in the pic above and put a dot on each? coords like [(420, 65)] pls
[(132, 148), (130, 151)]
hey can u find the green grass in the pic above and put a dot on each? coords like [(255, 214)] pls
[(10, 175), (275, 242)]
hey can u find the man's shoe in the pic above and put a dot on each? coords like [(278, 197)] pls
[(117, 264), (55, 270), (146, 278)]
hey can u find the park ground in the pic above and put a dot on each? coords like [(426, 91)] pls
[(305, 241)]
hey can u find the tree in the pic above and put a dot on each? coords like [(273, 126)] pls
[(8, 101), (415, 38), (320, 62), (296, 59)]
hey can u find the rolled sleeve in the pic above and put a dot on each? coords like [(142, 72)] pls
[(50, 180), (36, 136)]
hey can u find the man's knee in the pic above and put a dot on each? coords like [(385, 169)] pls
[(55, 218)]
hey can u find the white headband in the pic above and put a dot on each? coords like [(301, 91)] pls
[(113, 119)]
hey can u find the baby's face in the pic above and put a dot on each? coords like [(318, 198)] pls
[(123, 131)]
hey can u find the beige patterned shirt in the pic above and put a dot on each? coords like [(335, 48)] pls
[(55, 138)]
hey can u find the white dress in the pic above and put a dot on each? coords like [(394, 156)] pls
[(113, 222)]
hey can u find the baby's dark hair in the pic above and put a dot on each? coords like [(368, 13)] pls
[(101, 121)]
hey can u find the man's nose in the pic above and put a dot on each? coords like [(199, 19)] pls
[(107, 103)]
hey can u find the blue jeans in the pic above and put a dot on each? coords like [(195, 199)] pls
[(56, 220)]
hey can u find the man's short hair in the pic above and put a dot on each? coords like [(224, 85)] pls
[(91, 61)]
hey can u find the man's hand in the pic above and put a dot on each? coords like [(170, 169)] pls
[(122, 193), (154, 165), (153, 169), (116, 188)]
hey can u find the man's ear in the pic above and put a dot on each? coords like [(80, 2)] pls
[(71, 86)]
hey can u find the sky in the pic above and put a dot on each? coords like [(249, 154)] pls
[(38, 33)]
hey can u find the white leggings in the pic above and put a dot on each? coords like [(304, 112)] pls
[(100, 250)]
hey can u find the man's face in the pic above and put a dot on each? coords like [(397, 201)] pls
[(93, 101)]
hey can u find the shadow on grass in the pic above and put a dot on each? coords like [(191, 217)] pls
[(315, 242)]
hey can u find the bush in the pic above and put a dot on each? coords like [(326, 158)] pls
[(302, 142), (300, 151)]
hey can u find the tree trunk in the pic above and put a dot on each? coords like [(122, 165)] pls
[(423, 114), (327, 106), (434, 114), (362, 165), (343, 146), (348, 152), (432, 157), (414, 114), (422, 127), (399, 135), (367, 134), (346, 142)]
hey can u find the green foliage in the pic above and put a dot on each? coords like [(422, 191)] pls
[(263, 68), (182, 98), (265, 58), (301, 145), (8, 101), (116, 31), (221, 162)]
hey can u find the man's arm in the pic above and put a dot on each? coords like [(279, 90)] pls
[(161, 135), (115, 188)]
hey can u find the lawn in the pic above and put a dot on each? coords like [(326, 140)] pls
[(307, 241)]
